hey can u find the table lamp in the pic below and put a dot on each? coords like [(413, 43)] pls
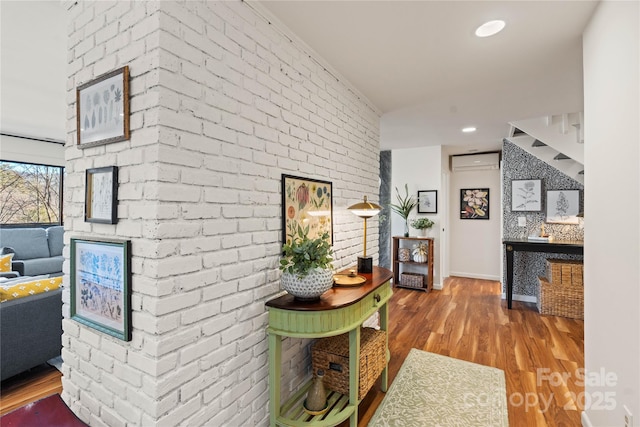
[(365, 210)]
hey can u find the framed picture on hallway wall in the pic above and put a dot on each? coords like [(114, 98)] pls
[(101, 195), (101, 285), (102, 109), (307, 204), (474, 203), (526, 195), (563, 206), (428, 201)]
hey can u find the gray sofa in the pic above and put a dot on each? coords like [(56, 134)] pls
[(36, 250), (30, 332)]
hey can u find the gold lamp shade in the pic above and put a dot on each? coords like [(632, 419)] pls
[(365, 210)]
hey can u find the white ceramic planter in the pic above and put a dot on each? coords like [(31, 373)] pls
[(310, 287)]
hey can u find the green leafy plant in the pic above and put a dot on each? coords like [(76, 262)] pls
[(404, 207), (422, 223), (304, 254), (405, 204)]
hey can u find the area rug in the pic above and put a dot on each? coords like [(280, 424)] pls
[(48, 412), (438, 391)]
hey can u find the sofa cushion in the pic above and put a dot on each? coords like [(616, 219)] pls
[(21, 279), (34, 267), (28, 243), (30, 331), (29, 286), (5, 263), (55, 237)]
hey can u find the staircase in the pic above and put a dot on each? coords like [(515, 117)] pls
[(556, 140)]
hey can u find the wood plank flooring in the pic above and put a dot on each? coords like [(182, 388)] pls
[(38, 383), (466, 320)]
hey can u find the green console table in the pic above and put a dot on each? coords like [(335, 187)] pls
[(340, 310)]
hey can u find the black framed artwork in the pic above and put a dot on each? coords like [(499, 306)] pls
[(474, 203), (307, 204), (428, 201), (101, 195)]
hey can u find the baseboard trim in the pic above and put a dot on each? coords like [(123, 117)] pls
[(585, 420), (475, 276), (522, 298), (437, 286)]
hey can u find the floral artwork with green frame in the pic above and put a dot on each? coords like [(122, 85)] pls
[(307, 204), (101, 285), (474, 203)]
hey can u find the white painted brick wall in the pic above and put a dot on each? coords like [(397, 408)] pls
[(222, 104)]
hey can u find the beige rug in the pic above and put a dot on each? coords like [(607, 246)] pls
[(432, 391)]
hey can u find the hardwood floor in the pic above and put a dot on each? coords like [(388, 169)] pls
[(28, 387), (466, 320)]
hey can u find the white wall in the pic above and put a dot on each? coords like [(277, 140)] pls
[(420, 169), (33, 71), (611, 47), (474, 245)]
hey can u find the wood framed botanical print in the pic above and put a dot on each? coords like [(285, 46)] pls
[(474, 203), (428, 201), (101, 195), (101, 285), (307, 204), (563, 206), (526, 195), (102, 109)]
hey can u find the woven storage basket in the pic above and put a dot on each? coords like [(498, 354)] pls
[(332, 355), (565, 271), (412, 280), (559, 299)]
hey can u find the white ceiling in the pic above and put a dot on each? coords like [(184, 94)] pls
[(420, 63)]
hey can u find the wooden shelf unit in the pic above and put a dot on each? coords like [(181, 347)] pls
[(427, 267)]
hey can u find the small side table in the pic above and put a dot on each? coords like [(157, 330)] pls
[(340, 310)]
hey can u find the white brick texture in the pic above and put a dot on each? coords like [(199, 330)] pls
[(222, 104)]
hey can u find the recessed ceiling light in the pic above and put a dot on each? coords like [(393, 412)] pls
[(490, 28), (468, 129)]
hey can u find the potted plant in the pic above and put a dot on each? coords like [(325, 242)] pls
[(422, 224), (404, 207), (306, 265)]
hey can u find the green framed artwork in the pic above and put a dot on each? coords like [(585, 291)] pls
[(101, 285), (307, 205)]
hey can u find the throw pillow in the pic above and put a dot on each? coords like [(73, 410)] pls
[(30, 287), (5, 263)]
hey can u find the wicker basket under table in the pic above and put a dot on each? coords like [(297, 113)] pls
[(565, 271), (332, 355), (559, 299)]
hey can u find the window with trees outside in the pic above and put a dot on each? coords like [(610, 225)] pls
[(30, 194)]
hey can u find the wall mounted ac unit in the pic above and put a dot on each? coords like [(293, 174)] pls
[(475, 162)]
